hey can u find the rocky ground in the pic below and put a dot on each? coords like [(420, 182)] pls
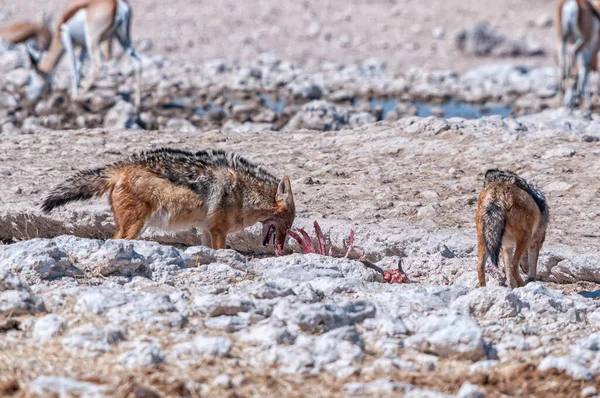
[(89, 316), (396, 154), (268, 94)]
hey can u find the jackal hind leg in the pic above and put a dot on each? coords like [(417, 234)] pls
[(119, 230), (130, 214), (482, 260), (532, 257), (135, 229), (118, 216), (520, 249), (136, 220), (507, 258), (219, 239), (500, 272)]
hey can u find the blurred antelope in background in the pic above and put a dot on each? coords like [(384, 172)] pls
[(29, 33), (86, 24), (578, 23)]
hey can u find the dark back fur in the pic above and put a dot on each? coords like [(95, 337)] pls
[(189, 168), (193, 170), (196, 170), (495, 175)]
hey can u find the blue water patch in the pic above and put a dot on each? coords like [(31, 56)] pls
[(448, 109), (177, 103), (276, 106), (454, 108), (386, 105), (588, 294), (212, 108)]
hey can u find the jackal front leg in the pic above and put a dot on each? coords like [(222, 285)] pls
[(219, 239), (533, 256), (520, 249), (507, 258), (525, 262), (482, 259)]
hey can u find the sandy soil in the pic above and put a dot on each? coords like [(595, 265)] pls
[(311, 32), (386, 174), (511, 380), (407, 184)]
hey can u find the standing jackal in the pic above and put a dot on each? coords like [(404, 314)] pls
[(213, 190), (512, 216)]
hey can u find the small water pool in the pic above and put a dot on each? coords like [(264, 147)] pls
[(455, 108), (452, 108)]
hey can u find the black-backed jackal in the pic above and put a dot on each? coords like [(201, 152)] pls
[(512, 216), (216, 191)]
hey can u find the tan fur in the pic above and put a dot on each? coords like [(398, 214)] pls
[(98, 6), (586, 33), (584, 18), (136, 195), (20, 32), (100, 20), (523, 232)]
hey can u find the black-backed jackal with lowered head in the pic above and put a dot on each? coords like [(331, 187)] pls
[(512, 216), (216, 191)]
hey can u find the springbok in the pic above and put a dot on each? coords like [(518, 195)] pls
[(578, 23), (85, 23), (28, 32)]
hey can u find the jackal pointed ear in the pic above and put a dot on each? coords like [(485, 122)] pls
[(284, 191)]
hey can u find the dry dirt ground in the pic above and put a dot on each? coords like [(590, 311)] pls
[(313, 31), (408, 188), (424, 172), (385, 180)]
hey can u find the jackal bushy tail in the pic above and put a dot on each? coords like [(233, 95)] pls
[(493, 230), (84, 185)]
